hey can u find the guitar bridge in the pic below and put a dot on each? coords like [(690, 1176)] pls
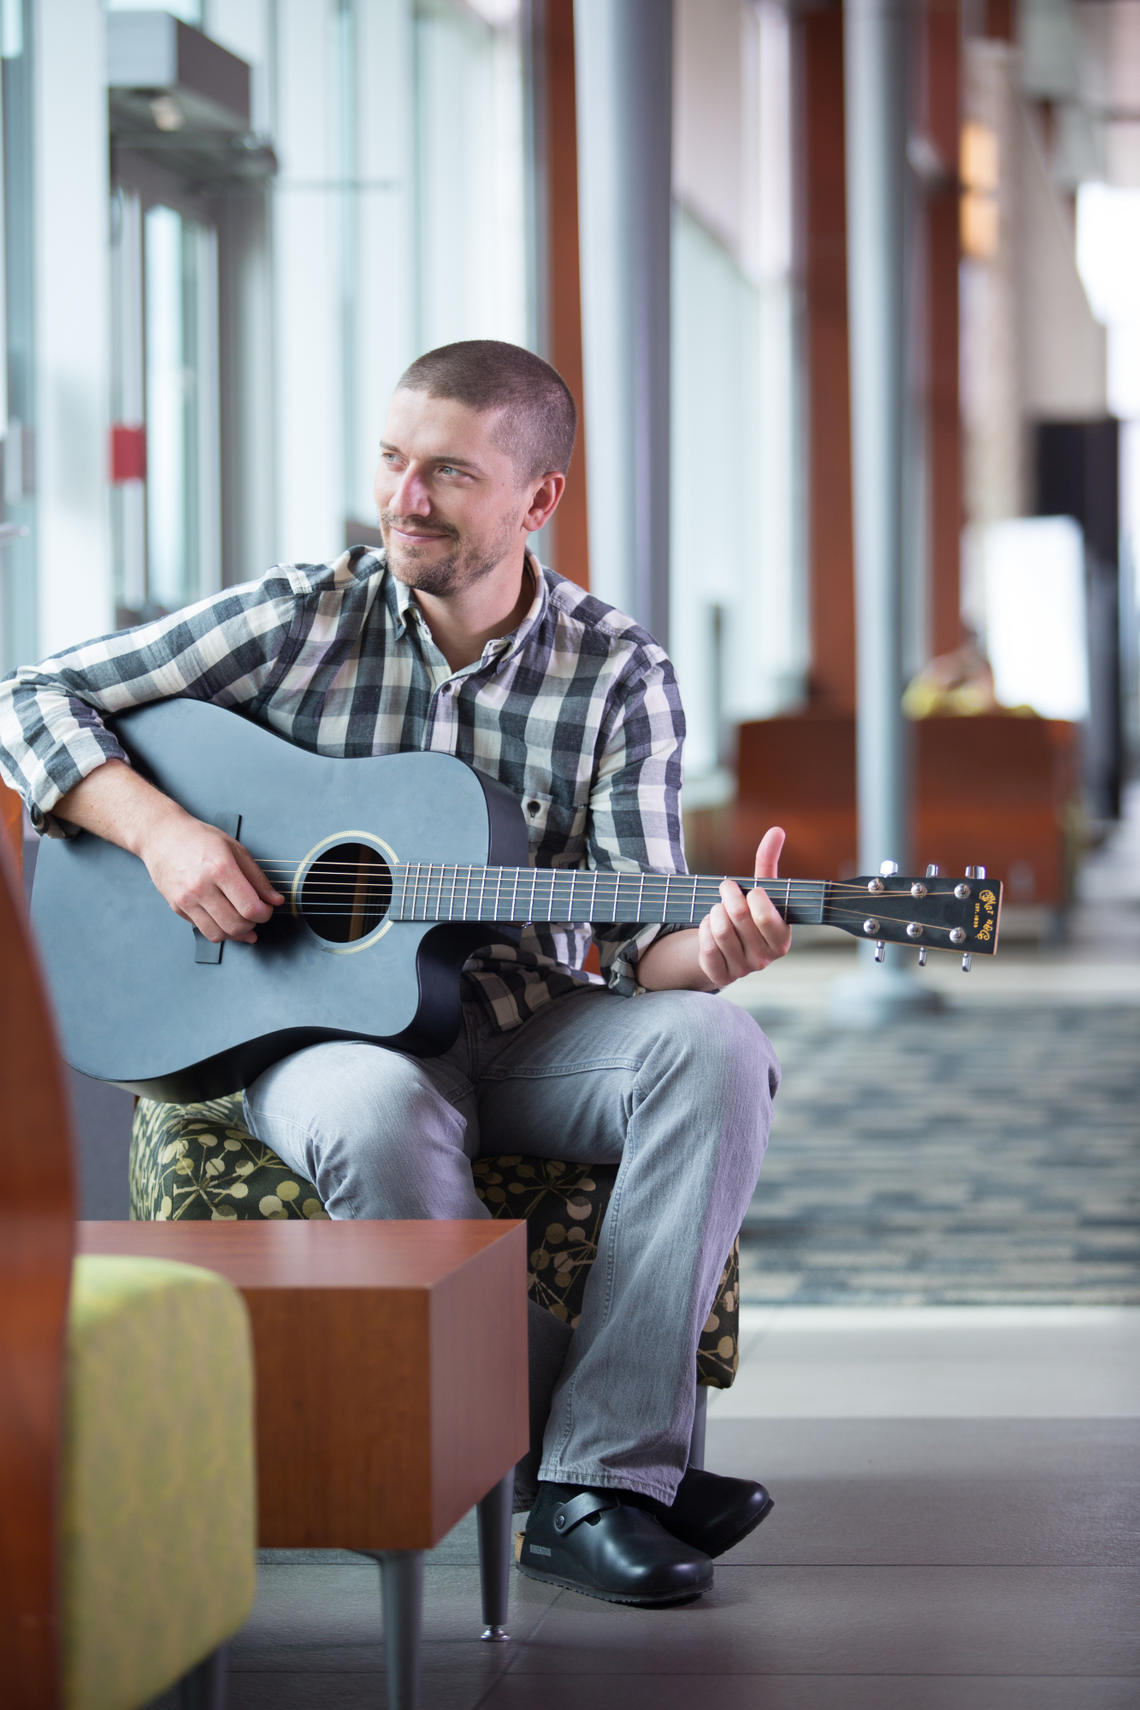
[(204, 951)]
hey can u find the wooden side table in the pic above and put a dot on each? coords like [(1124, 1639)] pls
[(391, 1389)]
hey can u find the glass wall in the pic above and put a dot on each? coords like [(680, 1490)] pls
[(164, 391), (398, 218), (472, 239), (738, 595), (17, 324)]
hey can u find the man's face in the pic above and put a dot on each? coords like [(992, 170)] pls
[(451, 509)]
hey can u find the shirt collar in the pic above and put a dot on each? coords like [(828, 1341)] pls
[(405, 611)]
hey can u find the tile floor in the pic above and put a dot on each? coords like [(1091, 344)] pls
[(957, 1499), (958, 1503)]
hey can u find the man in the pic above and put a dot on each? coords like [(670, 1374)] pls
[(455, 639)]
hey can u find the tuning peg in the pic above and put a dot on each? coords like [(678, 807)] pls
[(880, 950), (888, 869), (967, 962), (922, 952), (975, 872), (933, 870)]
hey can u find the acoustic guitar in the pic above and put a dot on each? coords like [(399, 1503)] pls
[(401, 866)]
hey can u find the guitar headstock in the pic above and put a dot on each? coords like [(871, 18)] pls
[(931, 913)]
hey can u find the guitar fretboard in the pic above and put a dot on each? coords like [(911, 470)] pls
[(517, 895)]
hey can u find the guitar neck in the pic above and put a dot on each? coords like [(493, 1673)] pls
[(518, 895)]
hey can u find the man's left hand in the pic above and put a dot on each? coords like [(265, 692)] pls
[(745, 932)]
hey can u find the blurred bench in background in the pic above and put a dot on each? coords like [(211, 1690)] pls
[(997, 790)]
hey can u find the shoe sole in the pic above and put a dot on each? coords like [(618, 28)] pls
[(671, 1601)]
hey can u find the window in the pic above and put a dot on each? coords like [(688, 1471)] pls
[(165, 522), (737, 500)]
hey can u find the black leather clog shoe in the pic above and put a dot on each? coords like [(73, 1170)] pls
[(711, 1513), (601, 1543)]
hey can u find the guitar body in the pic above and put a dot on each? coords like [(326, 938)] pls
[(144, 1001)]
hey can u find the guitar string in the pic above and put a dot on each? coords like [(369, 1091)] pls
[(336, 890), (834, 915), (333, 896), (446, 868), (425, 873), (323, 864)]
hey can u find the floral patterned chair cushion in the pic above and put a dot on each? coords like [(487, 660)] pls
[(198, 1160)]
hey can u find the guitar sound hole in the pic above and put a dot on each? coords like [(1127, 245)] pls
[(346, 893)]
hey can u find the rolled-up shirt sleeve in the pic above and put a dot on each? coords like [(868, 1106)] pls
[(224, 649), (635, 809)]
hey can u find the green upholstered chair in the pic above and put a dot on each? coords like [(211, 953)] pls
[(127, 1528), (159, 1533), (198, 1160)]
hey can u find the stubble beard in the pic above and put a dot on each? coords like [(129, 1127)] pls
[(463, 567)]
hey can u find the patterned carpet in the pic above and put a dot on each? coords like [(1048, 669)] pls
[(977, 1157)]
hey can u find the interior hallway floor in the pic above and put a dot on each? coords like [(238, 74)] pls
[(957, 1489)]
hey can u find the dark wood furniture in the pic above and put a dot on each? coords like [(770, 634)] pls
[(37, 1212), (997, 790)]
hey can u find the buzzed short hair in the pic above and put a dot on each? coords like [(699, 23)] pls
[(540, 418)]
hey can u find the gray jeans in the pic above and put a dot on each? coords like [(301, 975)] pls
[(675, 1088)]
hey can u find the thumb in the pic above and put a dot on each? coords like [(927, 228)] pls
[(768, 853)]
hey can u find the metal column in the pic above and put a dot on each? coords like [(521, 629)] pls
[(876, 97), (625, 93)]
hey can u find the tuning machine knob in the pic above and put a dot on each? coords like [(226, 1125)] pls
[(967, 962), (922, 957)]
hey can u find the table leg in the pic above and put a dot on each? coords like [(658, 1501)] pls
[(204, 1687), (495, 1513), (402, 1594)]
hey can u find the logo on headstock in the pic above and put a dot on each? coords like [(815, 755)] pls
[(984, 916)]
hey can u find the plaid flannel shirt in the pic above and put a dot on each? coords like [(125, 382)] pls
[(576, 712)]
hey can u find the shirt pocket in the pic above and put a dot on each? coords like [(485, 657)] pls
[(556, 830)]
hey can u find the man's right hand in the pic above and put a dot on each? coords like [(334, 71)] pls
[(205, 876), (208, 878)]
